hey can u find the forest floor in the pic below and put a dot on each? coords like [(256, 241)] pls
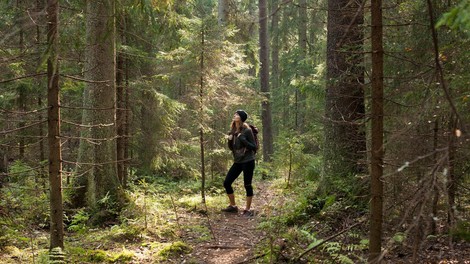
[(234, 237), (185, 231)]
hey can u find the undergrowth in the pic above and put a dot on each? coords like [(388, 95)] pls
[(150, 222), (298, 220)]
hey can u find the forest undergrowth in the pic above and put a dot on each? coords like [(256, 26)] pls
[(165, 222)]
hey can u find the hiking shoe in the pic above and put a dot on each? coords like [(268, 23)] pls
[(230, 209), (247, 213)]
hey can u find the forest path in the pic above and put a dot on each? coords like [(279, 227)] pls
[(234, 237)]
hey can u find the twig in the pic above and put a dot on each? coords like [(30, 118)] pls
[(176, 212), (81, 79), (439, 70), (3, 110), (210, 224), (21, 128), (225, 247), (23, 77)]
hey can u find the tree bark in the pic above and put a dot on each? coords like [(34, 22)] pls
[(264, 80), (53, 113), (223, 12), (302, 34), (121, 111), (345, 144), (101, 92), (377, 131), (275, 53), (201, 115)]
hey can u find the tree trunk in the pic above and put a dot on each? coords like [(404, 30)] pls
[(264, 80), (299, 96), (100, 71), (53, 113), (435, 199), (345, 144), (201, 115), (127, 118), (451, 185), (275, 56), (377, 131), (40, 94), (120, 111), (223, 12), (21, 101)]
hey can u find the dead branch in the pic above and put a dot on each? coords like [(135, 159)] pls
[(81, 79), (23, 77), (87, 126), (3, 110), (21, 128)]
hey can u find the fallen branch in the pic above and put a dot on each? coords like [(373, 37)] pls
[(225, 247)]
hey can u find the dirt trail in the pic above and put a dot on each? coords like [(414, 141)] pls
[(234, 237)]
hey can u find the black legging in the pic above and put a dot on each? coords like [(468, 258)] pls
[(234, 172)]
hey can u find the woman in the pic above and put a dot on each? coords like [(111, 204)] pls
[(241, 142)]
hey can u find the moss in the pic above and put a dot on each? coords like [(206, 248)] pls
[(173, 249), (96, 255), (12, 250), (123, 256)]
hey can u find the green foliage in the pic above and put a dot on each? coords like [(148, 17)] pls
[(291, 155), (23, 198), (79, 222), (462, 231), (458, 18), (399, 237)]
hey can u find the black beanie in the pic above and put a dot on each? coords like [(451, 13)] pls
[(243, 115)]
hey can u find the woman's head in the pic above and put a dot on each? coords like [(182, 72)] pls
[(242, 114), (238, 118)]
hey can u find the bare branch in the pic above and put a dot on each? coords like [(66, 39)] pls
[(23, 77), (21, 128)]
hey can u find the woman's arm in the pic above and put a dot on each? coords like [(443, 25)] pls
[(230, 141)]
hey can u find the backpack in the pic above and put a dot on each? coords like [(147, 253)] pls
[(255, 131)]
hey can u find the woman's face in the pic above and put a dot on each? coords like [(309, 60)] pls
[(236, 118)]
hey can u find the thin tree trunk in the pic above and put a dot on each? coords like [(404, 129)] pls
[(201, 114), (55, 159), (127, 118), (21, 91), (377, 131), (451, 181), (120, 111), (435, 199), (42, 154), (275, 53), (264, 80), (299, 97)]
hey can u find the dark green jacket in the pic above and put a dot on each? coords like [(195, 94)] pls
[(243, 145)]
